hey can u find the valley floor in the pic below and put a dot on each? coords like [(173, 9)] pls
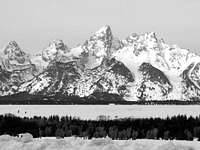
[(71, 143), (109, 111)]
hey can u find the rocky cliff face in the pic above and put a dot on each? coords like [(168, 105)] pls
[(16, 68), (141, 67)]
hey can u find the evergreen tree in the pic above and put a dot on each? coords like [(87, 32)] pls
[(59, 133)]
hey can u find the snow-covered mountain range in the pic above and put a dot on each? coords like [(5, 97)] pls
[(141, 67)]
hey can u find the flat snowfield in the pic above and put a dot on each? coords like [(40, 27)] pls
[(71, 143), (93, 111)]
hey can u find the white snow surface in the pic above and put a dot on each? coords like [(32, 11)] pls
[(109, 111), (72, 143)]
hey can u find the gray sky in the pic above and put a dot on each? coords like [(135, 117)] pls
[(34, 23)]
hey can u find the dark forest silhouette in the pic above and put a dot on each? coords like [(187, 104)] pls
[(94, 99), (179, 127)]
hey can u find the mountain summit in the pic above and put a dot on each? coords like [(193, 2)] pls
[(140, 67)]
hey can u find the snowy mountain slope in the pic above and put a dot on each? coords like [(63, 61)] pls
[(95, 71), (67, 79), (56, 78), (190, 81), (141, 67), (5, 83), (170, 60), (55, 51), (16, 68)]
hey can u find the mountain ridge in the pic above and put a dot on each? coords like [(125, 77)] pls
[(138, 68)]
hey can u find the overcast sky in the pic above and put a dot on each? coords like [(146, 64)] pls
[(34, 23)]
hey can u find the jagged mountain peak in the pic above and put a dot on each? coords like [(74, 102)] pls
[(141, 67), (58, 44), (149, 39), (145, 36), (104, 34), (105, 30), (16, 68), (13, 43), (97, 48), (151, 35), (13, 49), (13, 55), (55, 49)]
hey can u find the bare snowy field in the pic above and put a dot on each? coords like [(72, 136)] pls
[(71, 143), (93, 111)]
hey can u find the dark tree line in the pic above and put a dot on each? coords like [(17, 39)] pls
[(94, 99), (180, 127)]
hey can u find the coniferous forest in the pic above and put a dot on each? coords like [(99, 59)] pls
[(179, 127), (95, 99)]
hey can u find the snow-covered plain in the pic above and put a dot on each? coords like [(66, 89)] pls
[(94, 111), (71, 143)]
